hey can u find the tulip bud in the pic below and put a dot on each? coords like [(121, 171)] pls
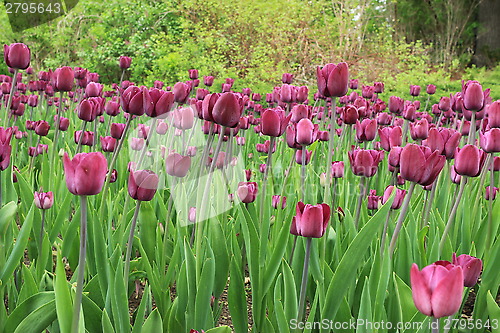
[(471, 267), (333, 79), (17, 55), (247, 191), (373, 200), (310, 220), (469, 161), (398, 198), (117, 130), (142, 185), (125, 62), (85, 173), (42, 128), (44, 200), (365, 162), (431, 89), (177, 165), (64, 78), (414, 90)]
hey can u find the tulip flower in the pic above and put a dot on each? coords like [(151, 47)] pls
[(491, 192), (63, 124), (183, 118), (431, 89), (337, 169), (117, 130), (299, 159), (364, 162), (136, 101), (63, 79), (420, 165), (396, 104), (17, 55), (390, 137), (398, 199), (373, 200), (306, 132), (247, 191), (310, 220), (177, 165), (108, 143), (44, 200), (181, 92), (85, 173), (469, 161), (490, 140), (414, 90), (333, 79), (419, 130), (125, 62), (208, 80), (142, 184), (274, 122), (85, 138), (162, 102), (42, 128), (471, 267), (474, 96), (366, 130), (350, 115), (228, 109), (276, 201), (437, 290)]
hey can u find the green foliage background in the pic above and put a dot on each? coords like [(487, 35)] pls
[(254, 42)]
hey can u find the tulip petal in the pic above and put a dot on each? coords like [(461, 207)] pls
[(447, 296), (420, 291)]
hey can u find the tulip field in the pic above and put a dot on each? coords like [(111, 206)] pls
[(192, 207)]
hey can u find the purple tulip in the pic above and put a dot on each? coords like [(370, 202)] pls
[(17, 55), (310, 220), (142, 185), (247, 191), (125, 62), (177, 165), (420, 165), (333, 79), (469, 161), (364, 162), (85, 173), (44, 200)]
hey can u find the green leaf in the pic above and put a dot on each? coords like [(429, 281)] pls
[(218, 244), (237, 302), (139, 317), (493, 312), (63, 297), (153, 323), (30, 305), (345, 273), (274, 262), (39, 319), (62, 215), (365, 308), (107, 327), (283, 324), (220, 329), (18, 250), (204, 292)]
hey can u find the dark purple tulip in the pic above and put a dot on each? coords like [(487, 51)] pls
[(390, 137), (162, 101), (117, 130), (350, 115), (298, 156), (193, 74), (366, 130), (490, 140), (85, 173), (420, 165), (177, 165), (398, 199), (431, 89), (228, 109), (86, 140), (142, 184), (112, 108), (396, 104), (208, 80), (493, 111), (302, 94), (414, 90), (181, 92), (419, 130), (491, 192), (469, 161), (373, 200), (337, 169), (44, 200), (136, 100), (364, 162), (125, 62), (473, 96), (42, 128), (63, 124), (310, 220), (444, 103), (17, 55), (87, 110), (274, 122), (471, 267), (108, 143), (367, 91), (333, 79), (63, 78), (379, 87)]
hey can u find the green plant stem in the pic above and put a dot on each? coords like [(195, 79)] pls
[(265, 224), (401, 218), (472, 131), (428, 205), (130, 243), (56, 133), (11, 95), (435, 325), (81, 264), (405, 133), (303, 173), (326, 196), (490, 206), (384, 233), (79, 146), (40, 241), (362, 194), (451, 217), (303, 286), (1, 190)]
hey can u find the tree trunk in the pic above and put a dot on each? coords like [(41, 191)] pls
[(488, 34)]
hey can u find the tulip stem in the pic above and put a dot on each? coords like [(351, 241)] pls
[(265, 224), (40, 241), (303, 173), (428, 205), (84, 125), (452, 215), (405, 132), (56, 133), (11, 95), (362, 194), (130, 243), (149, 135), (401, 218), (81, 263), (329, 152), (384, 236), (303, 286), (472, 130), (435, 325), (490, 204)]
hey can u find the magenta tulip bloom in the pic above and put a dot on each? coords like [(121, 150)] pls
[(414, 90), (310, 220), (117, 130), (437, 289), (337, 169), (181, 92), (396, 104), (431, 89), (473, 96), (306, 132), (177, 165), (364, 162), (274, 122), (490, 192), (298, 156), (112, 108), (63, 79), (366, 130), (108, 143), (373, 200), (490, 140), (85, 173), (142, 185), (419, 130), (333, 79), (471, 267), (17, 55), (125, 62), (469, 161), (162, 101), (276, 201), (420, 165), (350, 115), (398, 199), (42, 128), (247, 191), (44, 200), (493, 111), (183, 118), (228, 109), (390, 137)]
